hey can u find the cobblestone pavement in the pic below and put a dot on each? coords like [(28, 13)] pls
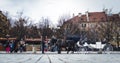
[(59, 58)]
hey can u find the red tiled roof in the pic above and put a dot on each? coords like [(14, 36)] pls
[(93, 16), (114, 17), (72, 19), (97, 16)]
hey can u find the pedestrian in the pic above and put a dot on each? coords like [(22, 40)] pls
[(21, 46), (59, 41), (46, 46), (7, 48), (16, 48), (11, 46)]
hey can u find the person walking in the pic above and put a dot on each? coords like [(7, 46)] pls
[(7, 48), (11, 46), (21, 46), (59, 41)]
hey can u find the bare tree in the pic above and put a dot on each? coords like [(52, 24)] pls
[(116, 31), (20, 26), (63, 19), (109, 30), (44, 27)]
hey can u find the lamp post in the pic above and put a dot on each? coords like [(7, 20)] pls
[(118, 39), (58, 34), (43, 39), (54, 31), (65, 33)]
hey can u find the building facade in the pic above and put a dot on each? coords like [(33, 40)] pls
[(4, 25), (95, 25)]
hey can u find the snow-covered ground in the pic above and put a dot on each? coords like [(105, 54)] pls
[(59, 58)]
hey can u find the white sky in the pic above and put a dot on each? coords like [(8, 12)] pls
[(53, 9)]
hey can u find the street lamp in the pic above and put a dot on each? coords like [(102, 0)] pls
[(43, 39), (58, 32), (65, 33)]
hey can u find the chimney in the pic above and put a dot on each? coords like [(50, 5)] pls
[(119, 14), (73, 14), (0, 11), (87, 15), (79, 14)]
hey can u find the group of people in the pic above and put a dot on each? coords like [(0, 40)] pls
[(59, 45), (11, 46), (48, 45)]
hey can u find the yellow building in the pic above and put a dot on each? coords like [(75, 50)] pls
[(4, 25)]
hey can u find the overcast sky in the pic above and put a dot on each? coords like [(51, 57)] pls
[(35, 9)]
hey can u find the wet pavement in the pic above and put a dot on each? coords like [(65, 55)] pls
[(59, 58)]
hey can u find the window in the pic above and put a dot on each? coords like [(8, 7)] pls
[(102, 19), (81, 19), (92, 25), (84, 25), (94, 19)]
